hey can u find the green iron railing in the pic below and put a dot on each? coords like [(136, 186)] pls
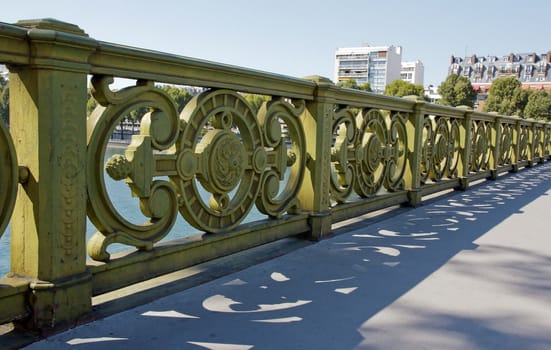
[(343, 153)]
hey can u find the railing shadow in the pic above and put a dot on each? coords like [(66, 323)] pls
[(319, 297)]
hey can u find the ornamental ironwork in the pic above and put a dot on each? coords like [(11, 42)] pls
[(218, 145)]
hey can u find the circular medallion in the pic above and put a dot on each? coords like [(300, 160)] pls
[(227, 161)]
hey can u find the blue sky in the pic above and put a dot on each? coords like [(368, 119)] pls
[(299, 38)]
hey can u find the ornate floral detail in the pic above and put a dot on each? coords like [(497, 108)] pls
[(71, 162), (285, 155), (426, 149), (221, 138), (226, 164), (343, 154), (537, 142), (118, 167), (381, 149), (523, 142), (546, 141), (441, 148), (480, 142), (158, 200), (217, 145), (506, 143)]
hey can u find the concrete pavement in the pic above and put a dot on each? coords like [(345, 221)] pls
[(470, 270)]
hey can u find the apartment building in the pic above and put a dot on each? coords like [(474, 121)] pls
[(531, 69), (376, 65)]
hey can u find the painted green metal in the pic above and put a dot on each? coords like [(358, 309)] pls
[(314, 154)]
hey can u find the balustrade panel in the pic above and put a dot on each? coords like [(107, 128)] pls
[(219, 146), (507, 149), (440, 148), (368, 152)]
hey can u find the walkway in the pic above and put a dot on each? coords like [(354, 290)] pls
[(470, 270)]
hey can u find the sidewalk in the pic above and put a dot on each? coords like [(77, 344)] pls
[(471, 270)]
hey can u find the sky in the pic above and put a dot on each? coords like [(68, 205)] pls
[(299, 37)]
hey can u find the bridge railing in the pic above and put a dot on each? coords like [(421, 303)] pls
[(312, 155)]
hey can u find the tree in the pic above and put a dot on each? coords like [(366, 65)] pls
[(179, 95), (4, 100), (91, 103), (400, 88), (352, 84), (538, 105), (256, 101), (456, 91), (506, 97)]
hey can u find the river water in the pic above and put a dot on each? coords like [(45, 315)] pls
[(128, 207)]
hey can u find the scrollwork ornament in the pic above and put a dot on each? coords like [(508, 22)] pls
[(454, 147), (441, 148), (371, 142), (441, 153), (396, 155), (506, 143), (224, 153), (158, 200), (343, 154), (427, 149), (546, 141), (480, 151), (523, 142), (8, 176), (381, 152), (284, 155), (537, 142)]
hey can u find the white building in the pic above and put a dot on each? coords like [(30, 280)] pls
[(431, 93), (413, 72), (3, 71), (376, 65)]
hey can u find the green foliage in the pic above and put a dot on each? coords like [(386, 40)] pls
[(91, 103), (538, 105), (506, 97), (352, 84), (256, 101), (456, 91), (400, 88), (178, 95), (4, 100)]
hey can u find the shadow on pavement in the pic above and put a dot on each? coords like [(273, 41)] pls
[(319, 297)]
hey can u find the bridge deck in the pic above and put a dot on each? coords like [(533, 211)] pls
[(470, 270)]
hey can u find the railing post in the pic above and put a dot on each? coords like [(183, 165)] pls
[(414, 129), (317, 121), (48, 125), (465, 143), (538, 128), (516, 148), (546, 141), (532, 148), (495, 145)]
